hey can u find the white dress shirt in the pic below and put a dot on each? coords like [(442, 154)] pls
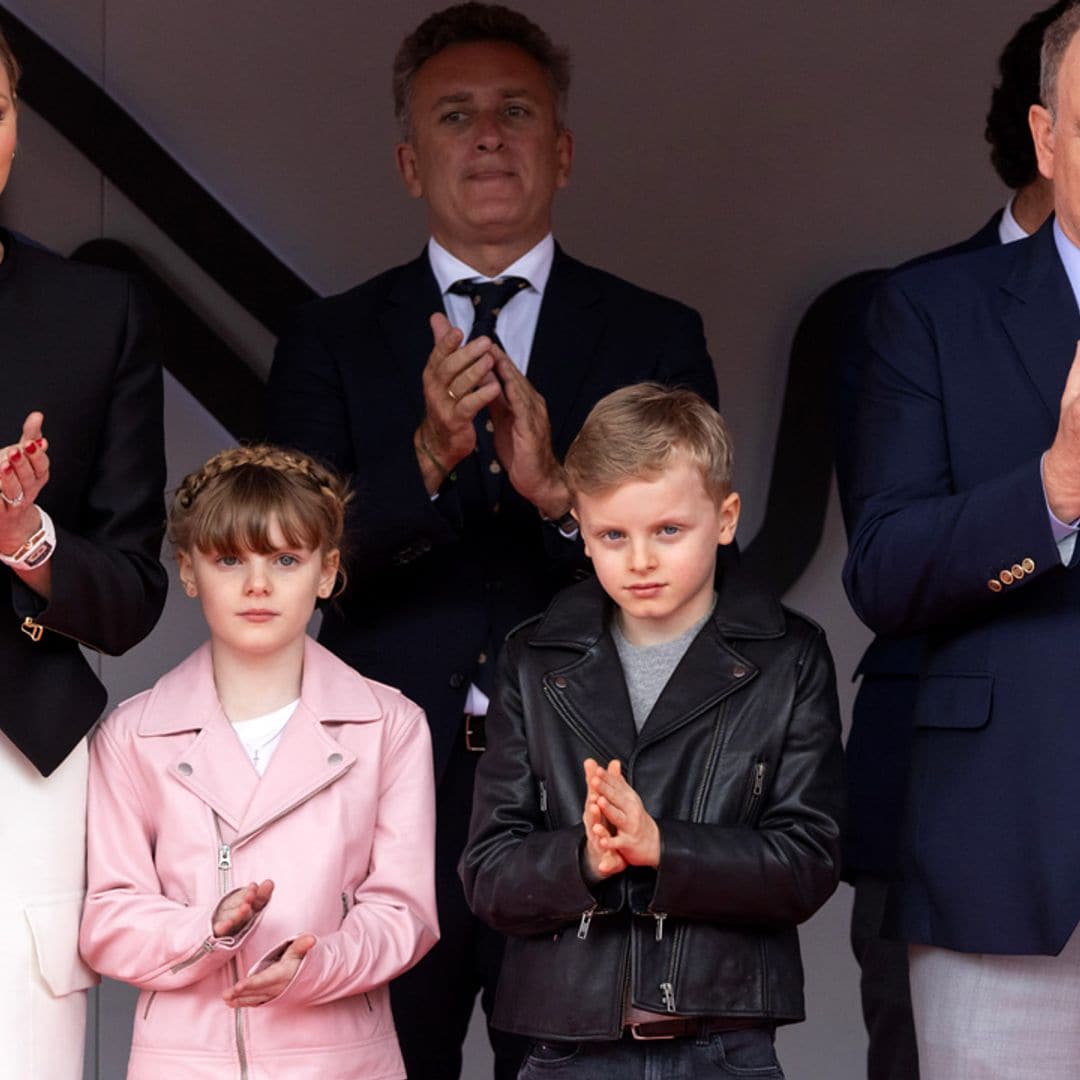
[(515, 325)]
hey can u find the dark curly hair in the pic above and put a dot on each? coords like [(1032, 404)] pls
[(476, 22), (1012, 152)]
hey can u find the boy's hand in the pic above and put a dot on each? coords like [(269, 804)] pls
[(267, 984), (635, 835), (599, 862), (235, 909)]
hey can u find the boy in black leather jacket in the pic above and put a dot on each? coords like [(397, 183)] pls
[(651, 902)]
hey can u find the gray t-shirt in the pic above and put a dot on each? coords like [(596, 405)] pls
[(647, 668)]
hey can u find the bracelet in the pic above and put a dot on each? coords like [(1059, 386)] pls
[(566, 523), (447, 474), (37, 550)]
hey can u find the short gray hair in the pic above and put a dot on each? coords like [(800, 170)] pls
[(1056, 40)]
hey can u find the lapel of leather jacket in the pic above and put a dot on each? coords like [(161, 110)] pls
[(709, 671), (1042, 319), (591, 696)]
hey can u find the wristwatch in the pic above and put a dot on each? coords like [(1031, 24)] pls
[(37, 550)]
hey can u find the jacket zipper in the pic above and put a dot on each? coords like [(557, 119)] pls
[(206, 947), (35, 631), (149, 1002), (345, 915), (757, 786), (224, 865)]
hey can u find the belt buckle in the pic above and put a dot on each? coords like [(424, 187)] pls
[(475, 736), (636, 1033)]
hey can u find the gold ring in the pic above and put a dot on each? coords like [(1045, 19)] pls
[(453, 396)]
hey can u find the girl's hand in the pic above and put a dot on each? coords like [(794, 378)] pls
[(237, 908), (24, 471), (267, 984)]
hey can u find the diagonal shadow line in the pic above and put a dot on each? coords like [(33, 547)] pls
[(153, 180)]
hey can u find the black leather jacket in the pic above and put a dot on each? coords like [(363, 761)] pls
[(740, 763)]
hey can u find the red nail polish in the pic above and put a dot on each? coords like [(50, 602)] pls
[(15, 454), (6, 469), (31, 448)]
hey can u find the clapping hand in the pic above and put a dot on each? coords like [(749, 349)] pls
[(267, 984), (620, 825), (24, 471), (602, 862), (236, 909)]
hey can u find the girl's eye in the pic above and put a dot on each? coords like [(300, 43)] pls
[(229, 560), (288, 560)]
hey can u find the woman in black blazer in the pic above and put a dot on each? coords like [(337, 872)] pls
[(80, 531)]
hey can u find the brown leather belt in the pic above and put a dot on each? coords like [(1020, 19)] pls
[(475, 733), (683, 1027)]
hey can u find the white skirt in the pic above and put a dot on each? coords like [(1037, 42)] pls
[(43, 980)]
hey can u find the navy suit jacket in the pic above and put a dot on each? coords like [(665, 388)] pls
[(432, 583), (878, 748), (969, 357)]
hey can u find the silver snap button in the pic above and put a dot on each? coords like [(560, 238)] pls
[(334, 759), (560, 682), (738, 672), (184, 769)]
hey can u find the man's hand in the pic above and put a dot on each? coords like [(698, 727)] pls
[(635, 836), (458, 382), (235, 909), (24, 471), (1061, 466), (523, 440), (267, 984), (600, 862)]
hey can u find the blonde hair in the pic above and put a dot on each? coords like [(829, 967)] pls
[(635, 432), (228, 505), (11, 65)]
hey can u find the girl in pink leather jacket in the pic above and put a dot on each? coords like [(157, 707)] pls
[(261, 821)]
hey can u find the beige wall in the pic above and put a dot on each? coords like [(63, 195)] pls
[(739, 155)]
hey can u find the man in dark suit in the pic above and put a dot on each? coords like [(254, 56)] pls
[(460, 523), (962, 532), (879, 744)]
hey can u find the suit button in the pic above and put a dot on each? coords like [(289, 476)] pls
[(489, 427), (457, 680), (482, 658), (184, 769), (495, 467), (994, 585), (1018, 571), (1029, 566), (334, 759), (560, 682)]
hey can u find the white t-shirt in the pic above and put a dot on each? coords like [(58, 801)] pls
[(260, 735)]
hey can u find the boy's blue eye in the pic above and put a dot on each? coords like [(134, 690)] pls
[(613, 534), (669, 530)]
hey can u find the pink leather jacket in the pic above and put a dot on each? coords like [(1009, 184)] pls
[(342, 822)]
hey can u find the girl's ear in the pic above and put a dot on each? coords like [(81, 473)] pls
[(330, 566), (187, 573)]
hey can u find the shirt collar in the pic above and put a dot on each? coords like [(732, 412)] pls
[(1009, 229), (534, 266)]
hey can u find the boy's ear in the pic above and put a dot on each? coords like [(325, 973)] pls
[(328, 579), (187, 573), (728, 517)]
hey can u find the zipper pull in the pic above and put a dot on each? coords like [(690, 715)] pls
[(660, 916), (33, 630), (759, 778), (586, 922), (224, 861), (667, 993), (543, 797), (344, 905)]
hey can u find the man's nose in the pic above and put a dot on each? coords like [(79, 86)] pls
[(488, 131)]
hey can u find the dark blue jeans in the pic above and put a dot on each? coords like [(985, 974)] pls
[(748, 1052)]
